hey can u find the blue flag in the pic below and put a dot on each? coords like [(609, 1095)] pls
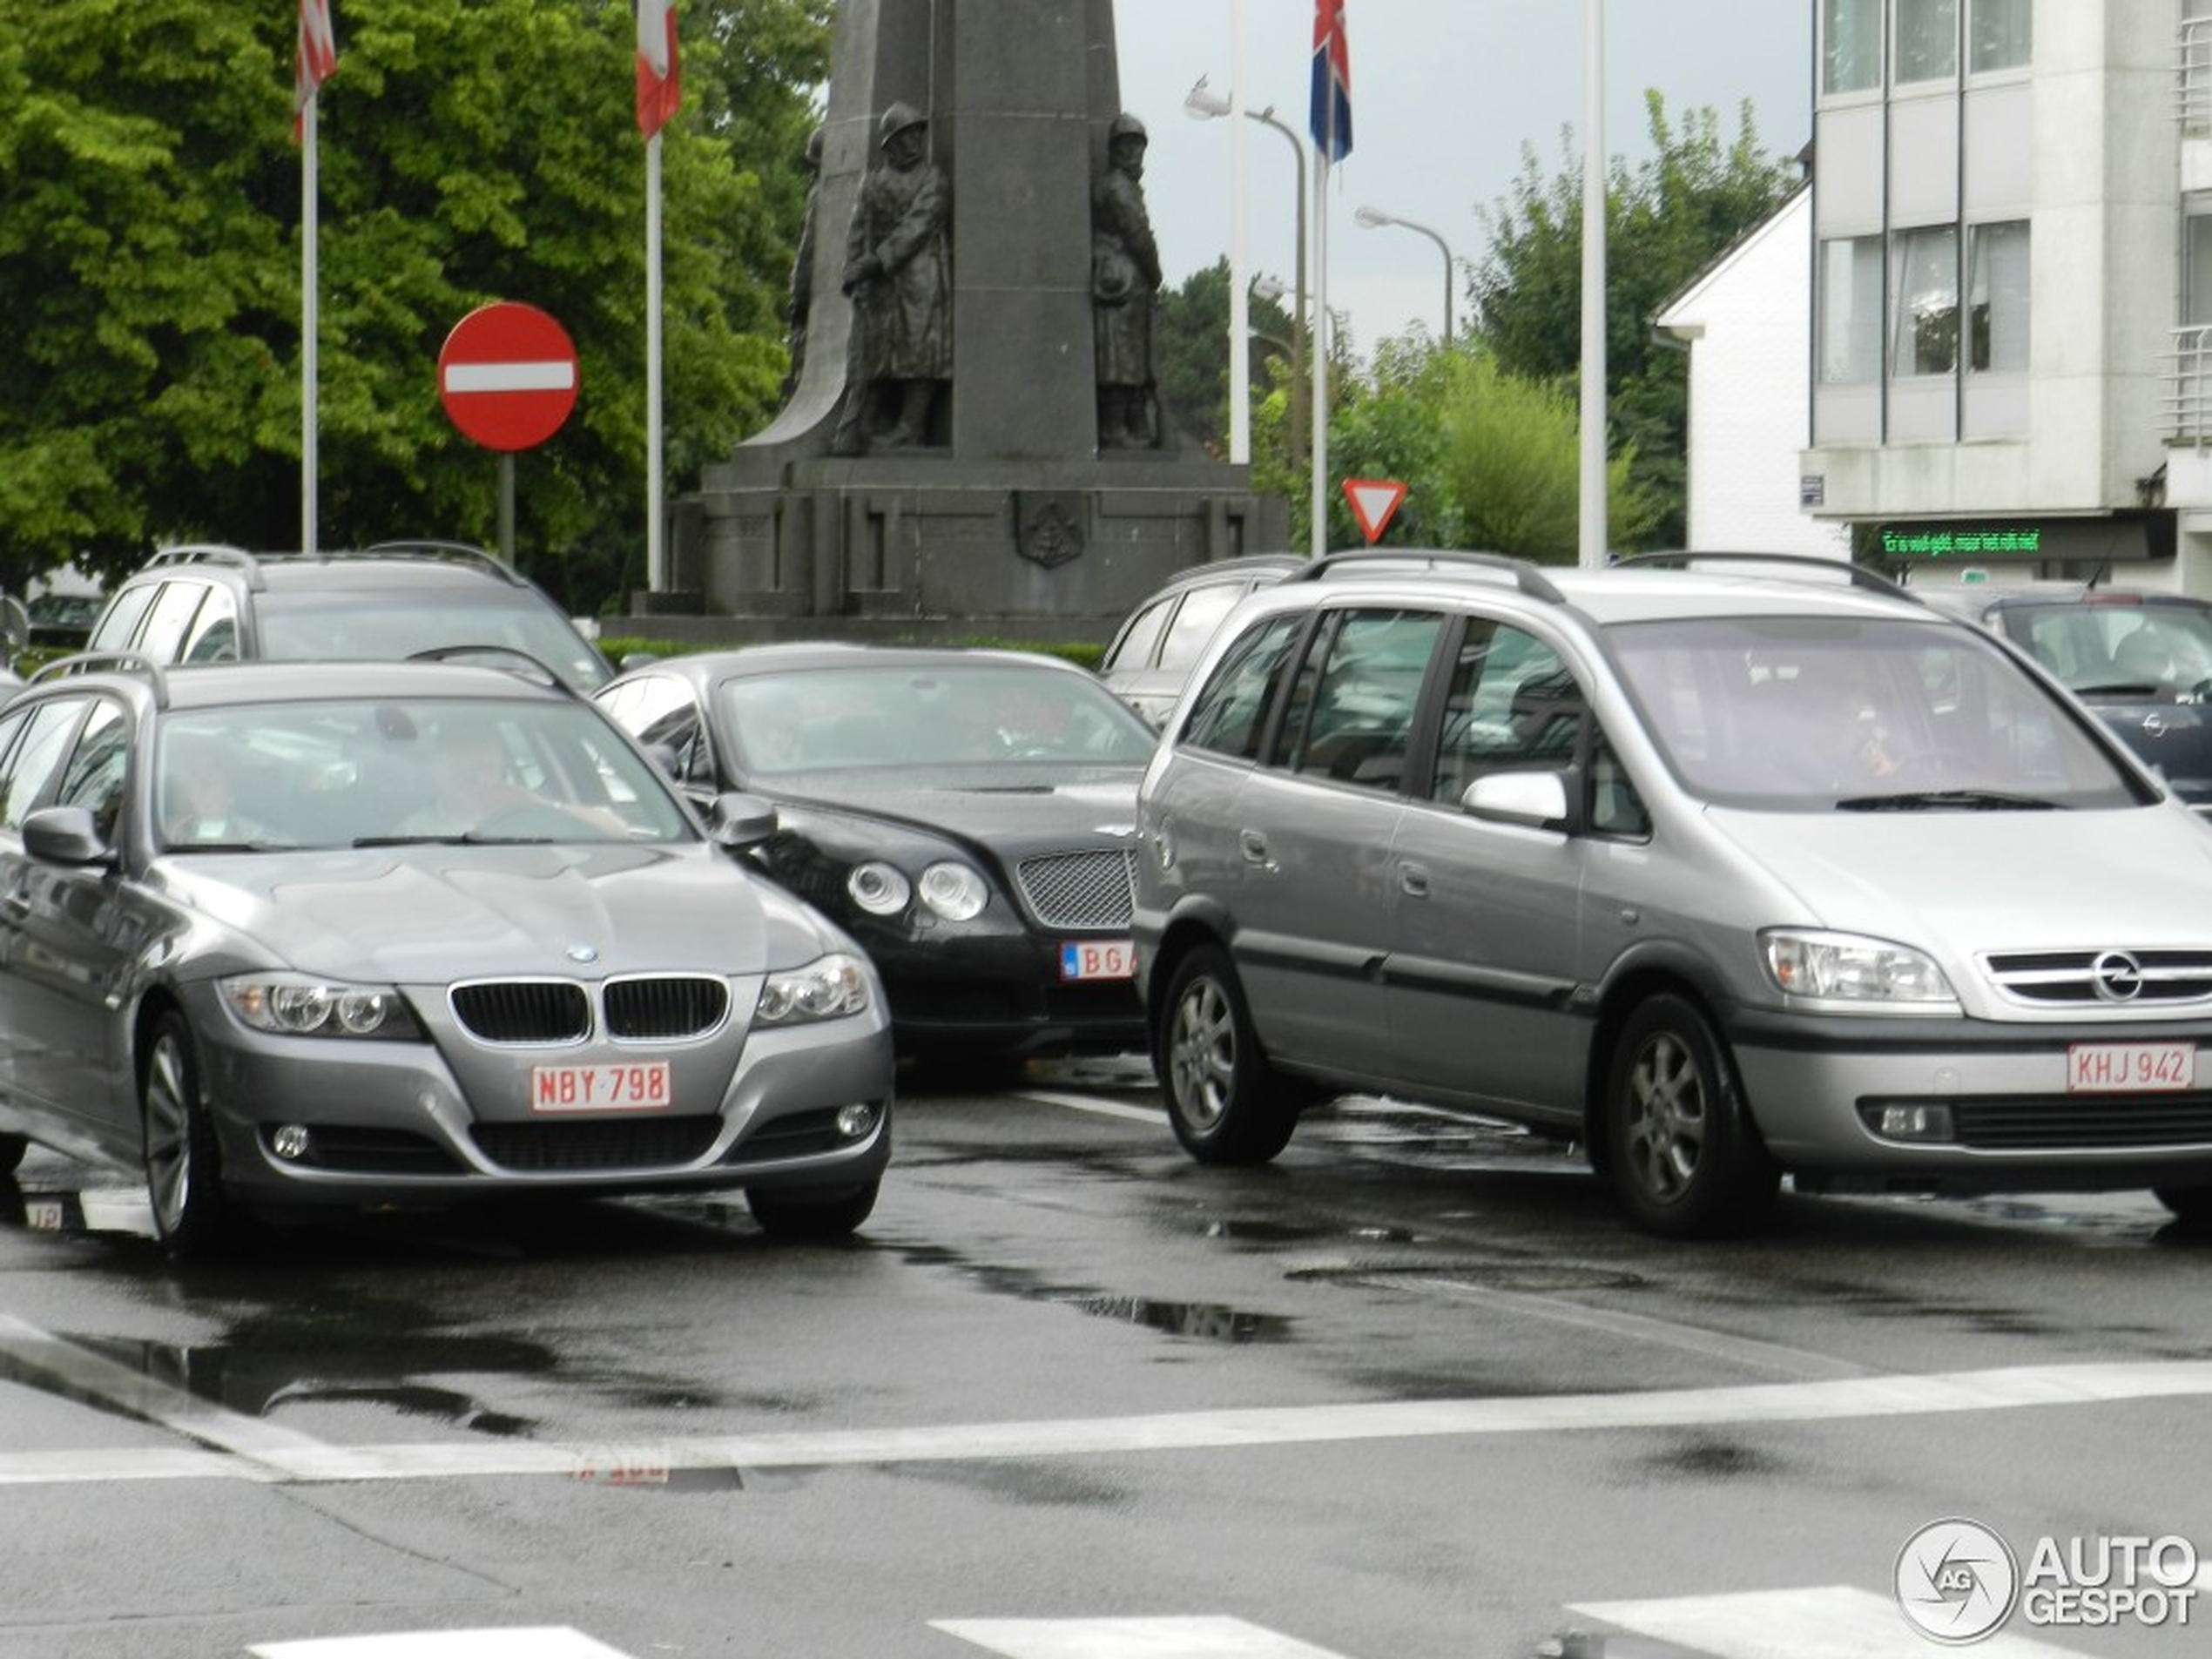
[(1332, 82)]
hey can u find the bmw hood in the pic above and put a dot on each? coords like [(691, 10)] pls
[(1989, 880), (417, 914)]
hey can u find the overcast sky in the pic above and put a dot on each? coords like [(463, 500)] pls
[(1444, 96)]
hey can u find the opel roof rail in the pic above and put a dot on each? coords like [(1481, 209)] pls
[(208, 553), (1859, 576), (1527, 577)]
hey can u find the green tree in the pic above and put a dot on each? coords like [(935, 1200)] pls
[(1192, 343), (471, 150), (1666, 221), (1490, 460)]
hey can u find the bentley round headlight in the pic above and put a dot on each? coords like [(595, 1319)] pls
[(879, 889), (954, 891)]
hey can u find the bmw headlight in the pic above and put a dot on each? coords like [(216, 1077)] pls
[(954, 891), (879, 889), (293, 1005), (1846, 968), (828, 987)]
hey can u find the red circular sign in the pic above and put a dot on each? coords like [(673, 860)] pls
[(507, 375)]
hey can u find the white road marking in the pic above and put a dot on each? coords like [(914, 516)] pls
[(1191, 1638), (1152, 1115), (265, 1451), (1822, 1622), (544, 1643), (510, 377)]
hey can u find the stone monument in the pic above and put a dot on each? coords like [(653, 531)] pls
[(965, 450)]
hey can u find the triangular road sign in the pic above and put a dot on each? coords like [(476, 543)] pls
[(1374, 500)]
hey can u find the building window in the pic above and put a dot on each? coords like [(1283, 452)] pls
[(2196, 263), (1997, 295), (1851, 45), (1999, 35), (1925, 280), (1850, 309), (1927, 40)]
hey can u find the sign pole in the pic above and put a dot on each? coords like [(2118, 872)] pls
[(507, 507)]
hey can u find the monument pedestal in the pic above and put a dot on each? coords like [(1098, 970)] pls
[(1011, 523)]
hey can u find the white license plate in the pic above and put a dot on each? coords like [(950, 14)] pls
[(634, 1086), (1100, 959), (2129, 1067)]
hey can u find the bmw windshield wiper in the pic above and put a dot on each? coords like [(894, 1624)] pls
[(1938, 801)]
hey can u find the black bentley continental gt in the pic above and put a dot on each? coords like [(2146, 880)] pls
[(968, 815)]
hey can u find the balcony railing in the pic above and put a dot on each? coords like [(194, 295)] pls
[(2188, 392), (2193, 77)]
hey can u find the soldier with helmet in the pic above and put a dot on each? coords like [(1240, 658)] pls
[(1125, 275), (898, 271)]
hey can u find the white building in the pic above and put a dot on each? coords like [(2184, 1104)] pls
[(2012, 275), (1747, 321)]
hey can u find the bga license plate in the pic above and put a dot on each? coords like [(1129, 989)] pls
[(637, 1086), (1099, 959), (2129, 1067)]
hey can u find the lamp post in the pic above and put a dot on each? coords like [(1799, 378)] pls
[(1372, 218), (1205, 104)]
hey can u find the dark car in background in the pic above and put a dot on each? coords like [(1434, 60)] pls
[(396, 599), (2142, 661), (1153, 651), (339, 936), (968, 816)]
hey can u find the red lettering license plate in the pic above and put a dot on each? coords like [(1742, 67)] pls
[(634, 1086), (1100, 959), (2129, 1067)]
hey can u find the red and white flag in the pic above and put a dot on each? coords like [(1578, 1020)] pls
[(318, 56), (657, 91)]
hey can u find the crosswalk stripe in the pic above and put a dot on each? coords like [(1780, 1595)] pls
[(1183, 1638), (544, 1643), (1822, 1621)]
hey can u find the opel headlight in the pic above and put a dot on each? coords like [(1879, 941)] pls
[(293, 1005), (954, 891), (1846, 968), (828, 987)]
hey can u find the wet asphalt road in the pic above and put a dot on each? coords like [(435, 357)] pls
[(1412, 1392)]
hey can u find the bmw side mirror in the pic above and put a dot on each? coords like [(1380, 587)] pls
[(1533, 799), (65, 835), (740, 820)]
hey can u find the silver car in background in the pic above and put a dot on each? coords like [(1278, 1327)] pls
[(1723, 869), (340, 935)]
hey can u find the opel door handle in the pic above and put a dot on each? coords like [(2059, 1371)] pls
[(1413, 880)]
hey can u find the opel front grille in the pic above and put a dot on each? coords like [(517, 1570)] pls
[(1097, 889), (2102, 979)]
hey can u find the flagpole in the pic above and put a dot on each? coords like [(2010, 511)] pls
[(1593, 536), (1318, 498), (310, 281), (656, 573)]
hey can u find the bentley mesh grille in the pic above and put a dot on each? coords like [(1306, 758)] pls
[(1095, 889)]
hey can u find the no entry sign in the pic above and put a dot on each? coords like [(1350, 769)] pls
[(507, 375)]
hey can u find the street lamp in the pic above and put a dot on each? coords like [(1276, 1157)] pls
[(1371, 218), (1205, 104)]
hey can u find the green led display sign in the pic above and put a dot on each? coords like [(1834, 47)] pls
[(1962, 542)]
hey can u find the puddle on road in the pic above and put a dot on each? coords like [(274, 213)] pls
[(1207, 1321)]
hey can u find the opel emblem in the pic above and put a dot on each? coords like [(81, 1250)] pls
[(2154, 725), (582, 953), (2117, 976)]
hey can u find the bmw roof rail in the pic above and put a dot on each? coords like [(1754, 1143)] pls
[(107, 662), (1528, 577), (1859, 576), (419, 547)]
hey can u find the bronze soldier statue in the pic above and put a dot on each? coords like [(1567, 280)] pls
[(898, 269), (1125, 275)]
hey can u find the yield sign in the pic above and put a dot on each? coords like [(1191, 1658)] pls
[(507, 375), (1374, 500)]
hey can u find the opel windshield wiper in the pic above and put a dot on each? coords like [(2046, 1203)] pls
[(1944, 801)]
